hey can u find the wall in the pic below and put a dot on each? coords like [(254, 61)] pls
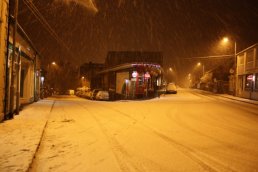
[(29, 65), (3, 37)]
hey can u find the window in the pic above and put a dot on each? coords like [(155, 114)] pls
[(250, 56), (249, 81), (249, 60), (241, 60)]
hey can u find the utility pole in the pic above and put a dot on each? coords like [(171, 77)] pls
[(202, 69), (13, 72), (235, 61)]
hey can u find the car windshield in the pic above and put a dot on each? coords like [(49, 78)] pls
[(171, 86)]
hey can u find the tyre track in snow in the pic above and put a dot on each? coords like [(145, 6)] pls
[(186, 150), (123, 158), (180, 123), (224, 121)]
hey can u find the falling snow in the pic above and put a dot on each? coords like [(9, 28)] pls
[(177, 28)]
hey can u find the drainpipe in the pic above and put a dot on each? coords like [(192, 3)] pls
[(35, 75), (13, 59), (6, 97), (18, 82)]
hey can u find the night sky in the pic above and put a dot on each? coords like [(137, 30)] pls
[(179, 28)]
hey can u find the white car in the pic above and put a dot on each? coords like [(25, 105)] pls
[(171, 88), (102, 95)]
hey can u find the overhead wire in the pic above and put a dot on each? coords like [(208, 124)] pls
[(213, 57), (38, 15), (46, 25)]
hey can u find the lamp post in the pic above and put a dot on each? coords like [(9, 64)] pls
[(235, 61), (226, 40), (51, 71), (199, 64), (172, 73)]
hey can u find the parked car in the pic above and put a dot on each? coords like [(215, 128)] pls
[(102, 95), (94, 93), (161, 90), (171, 88)]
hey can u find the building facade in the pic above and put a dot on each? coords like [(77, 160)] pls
[(87, 72), (22, 72), (132, 74), (247, 73), (3, 50)]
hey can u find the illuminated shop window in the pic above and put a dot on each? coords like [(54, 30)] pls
[(249, 81)]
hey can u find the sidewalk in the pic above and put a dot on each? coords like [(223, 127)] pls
[(20, 137), (255, 102)]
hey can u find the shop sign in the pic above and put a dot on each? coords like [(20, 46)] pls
[(147, 75), (134, 74), (250, 77)]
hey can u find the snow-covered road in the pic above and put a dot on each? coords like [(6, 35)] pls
[(183, 132)]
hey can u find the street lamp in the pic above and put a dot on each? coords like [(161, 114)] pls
[(200, 64), (226, 40), (172, 74)]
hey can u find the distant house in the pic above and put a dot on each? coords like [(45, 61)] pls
[(88, 71), (247, 73), (217, 79), (132, 74)]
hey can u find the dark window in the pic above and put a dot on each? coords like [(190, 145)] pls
[(250, 56), (22, 82), (256, 81)]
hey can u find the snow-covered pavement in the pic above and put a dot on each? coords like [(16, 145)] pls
[(20, 137), (188, 131)]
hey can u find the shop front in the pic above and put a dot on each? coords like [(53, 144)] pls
[(133, 81)]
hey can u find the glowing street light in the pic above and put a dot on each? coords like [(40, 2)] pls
[(199, 64), (226, 40), (53, 63)]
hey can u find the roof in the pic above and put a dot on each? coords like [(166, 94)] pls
[(252, 46), (115, 58), (128, 66)]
